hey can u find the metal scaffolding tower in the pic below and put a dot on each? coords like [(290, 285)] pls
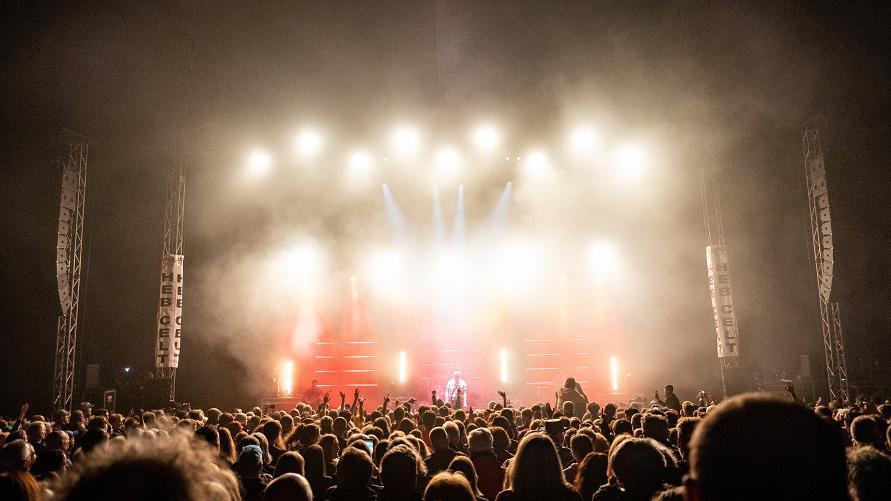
[(69, 250), (824, 258), (173, 236), (725, 317)]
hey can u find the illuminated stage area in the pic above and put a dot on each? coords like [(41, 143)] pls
[(514, 266)]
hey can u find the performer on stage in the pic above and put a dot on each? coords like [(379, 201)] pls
[(313, 396), (456, 391)]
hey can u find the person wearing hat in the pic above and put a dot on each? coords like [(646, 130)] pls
[(249, 467)]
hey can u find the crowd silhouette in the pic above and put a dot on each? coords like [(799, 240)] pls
[(751, 446)]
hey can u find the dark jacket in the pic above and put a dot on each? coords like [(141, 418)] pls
[(489, 473)]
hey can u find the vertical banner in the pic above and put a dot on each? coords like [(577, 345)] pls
[(722, 301), (170, 312)]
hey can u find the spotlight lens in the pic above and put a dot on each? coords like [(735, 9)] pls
[(259, 162), (309, 143), (405, 141), (486, 138), (584, 140)]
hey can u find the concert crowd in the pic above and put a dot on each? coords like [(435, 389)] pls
[(342, 447)]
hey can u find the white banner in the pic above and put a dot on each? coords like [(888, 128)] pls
[(722, 301), (170, 312)]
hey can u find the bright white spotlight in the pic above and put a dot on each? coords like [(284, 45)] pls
[(259, 162), (405, 141), (360, 163), (403, 367), (286, 378), (584, 140), (614, 373), (602, 258), (299, 262), (505, 376), (448, 162), (537, 164), (486, 138), (308, 143), (630, 160)]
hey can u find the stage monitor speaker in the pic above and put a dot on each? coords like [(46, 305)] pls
[(92, 379), (156, 393)]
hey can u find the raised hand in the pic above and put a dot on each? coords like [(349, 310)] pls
[(342, 396), (412, 400), (24, 409), (326, 398), (356, 394), (502, 394)]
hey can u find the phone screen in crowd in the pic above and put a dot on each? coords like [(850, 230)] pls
[(370, 445)]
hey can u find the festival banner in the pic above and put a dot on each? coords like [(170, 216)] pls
[(170, 312), (722, 301)]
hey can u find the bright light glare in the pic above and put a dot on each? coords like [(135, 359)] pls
[(259, 162), (308, 143), (517, 265), (602, 258), (286, 378), (360, 165), (614, 373), (630, 159), (299, 262), (405, 141), (537, 164), (383, 269), (448, 162), (505, 377), (486, 138), (584, 140), (403, 367)]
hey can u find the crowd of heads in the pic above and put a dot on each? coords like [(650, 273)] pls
[(752, 446)]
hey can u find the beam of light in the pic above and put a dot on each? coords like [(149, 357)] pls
[(447, 162), (584, 140), (505, 376), (286, 378), (614, 373), (394, 213), (438, 227), (458, 229), (306, 332), (602, 258), (259, 163), (308, 143), (486, 138), (405, 141), (403, 367), (498, 217), (537, 164), (629, 161)]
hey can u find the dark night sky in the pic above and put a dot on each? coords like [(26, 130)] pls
[(732, 82)]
